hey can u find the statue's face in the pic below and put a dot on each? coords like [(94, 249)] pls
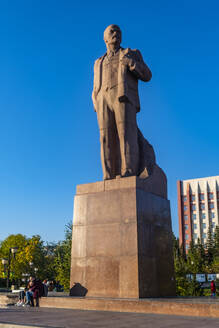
[(112, 35)]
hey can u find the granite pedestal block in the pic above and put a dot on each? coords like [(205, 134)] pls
[(122, 241)]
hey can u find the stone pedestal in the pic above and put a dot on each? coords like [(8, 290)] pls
[(122, 241)]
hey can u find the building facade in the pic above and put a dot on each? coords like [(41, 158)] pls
[(198, 207)]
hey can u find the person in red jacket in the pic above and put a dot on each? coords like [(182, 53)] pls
[(213, 288)]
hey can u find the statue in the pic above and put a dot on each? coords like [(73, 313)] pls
[(129, 209), (124, 151)]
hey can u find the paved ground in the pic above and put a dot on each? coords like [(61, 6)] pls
[(59, 318)]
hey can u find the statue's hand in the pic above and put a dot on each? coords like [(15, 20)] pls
[(127, 60)]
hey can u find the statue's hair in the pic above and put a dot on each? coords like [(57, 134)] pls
[(108, 27)]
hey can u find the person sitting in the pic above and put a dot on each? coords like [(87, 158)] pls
[(34, 292), (29, 293), (37, 291)]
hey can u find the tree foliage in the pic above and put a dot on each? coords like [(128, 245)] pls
[(48, 261), (29, 250), (62, 262), (199, 259)]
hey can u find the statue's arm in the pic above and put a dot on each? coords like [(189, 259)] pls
[(137, 65), (94, 93), (94, 101)]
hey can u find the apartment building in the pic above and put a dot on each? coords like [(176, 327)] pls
[(198, 207)]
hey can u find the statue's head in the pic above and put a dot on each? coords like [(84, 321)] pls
[(112, 35)]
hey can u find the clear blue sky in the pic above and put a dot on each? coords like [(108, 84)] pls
[(49, 138)]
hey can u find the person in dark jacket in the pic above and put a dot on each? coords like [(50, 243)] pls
[(37, 290), (45, 288)]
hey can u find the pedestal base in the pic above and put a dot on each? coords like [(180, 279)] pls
[(200, 307), (122, 241)]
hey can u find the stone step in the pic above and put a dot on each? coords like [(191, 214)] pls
[(204, 307), (8, 299)]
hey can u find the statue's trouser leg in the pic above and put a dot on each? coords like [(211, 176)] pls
[(125, 115), (106, 121), (107, 156)]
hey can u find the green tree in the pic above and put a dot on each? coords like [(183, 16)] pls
[(215, 262), (28, 250), (50, 255), (62, 262), (210, 251), (186, 267), (196, 258), (180, 268), (216, 242)]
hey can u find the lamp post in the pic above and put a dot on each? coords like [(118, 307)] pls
[(24, 279), (12, 253), (7, 262), (31, 264)]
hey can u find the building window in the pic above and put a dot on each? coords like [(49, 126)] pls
[(203, 225), (187, 246), (184, 198), (193, 198), (193, 207), (211, 195), (186, 236), (211, 215), (186, 226), (194, 226), (203, 216), (202, 206), (201, 196), (195, 236), (185, 217), (204, 235), (193, 217), (211, 205), (185, 208), (213, 224)]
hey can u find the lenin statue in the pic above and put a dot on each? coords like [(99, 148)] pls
[(124, 151)]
